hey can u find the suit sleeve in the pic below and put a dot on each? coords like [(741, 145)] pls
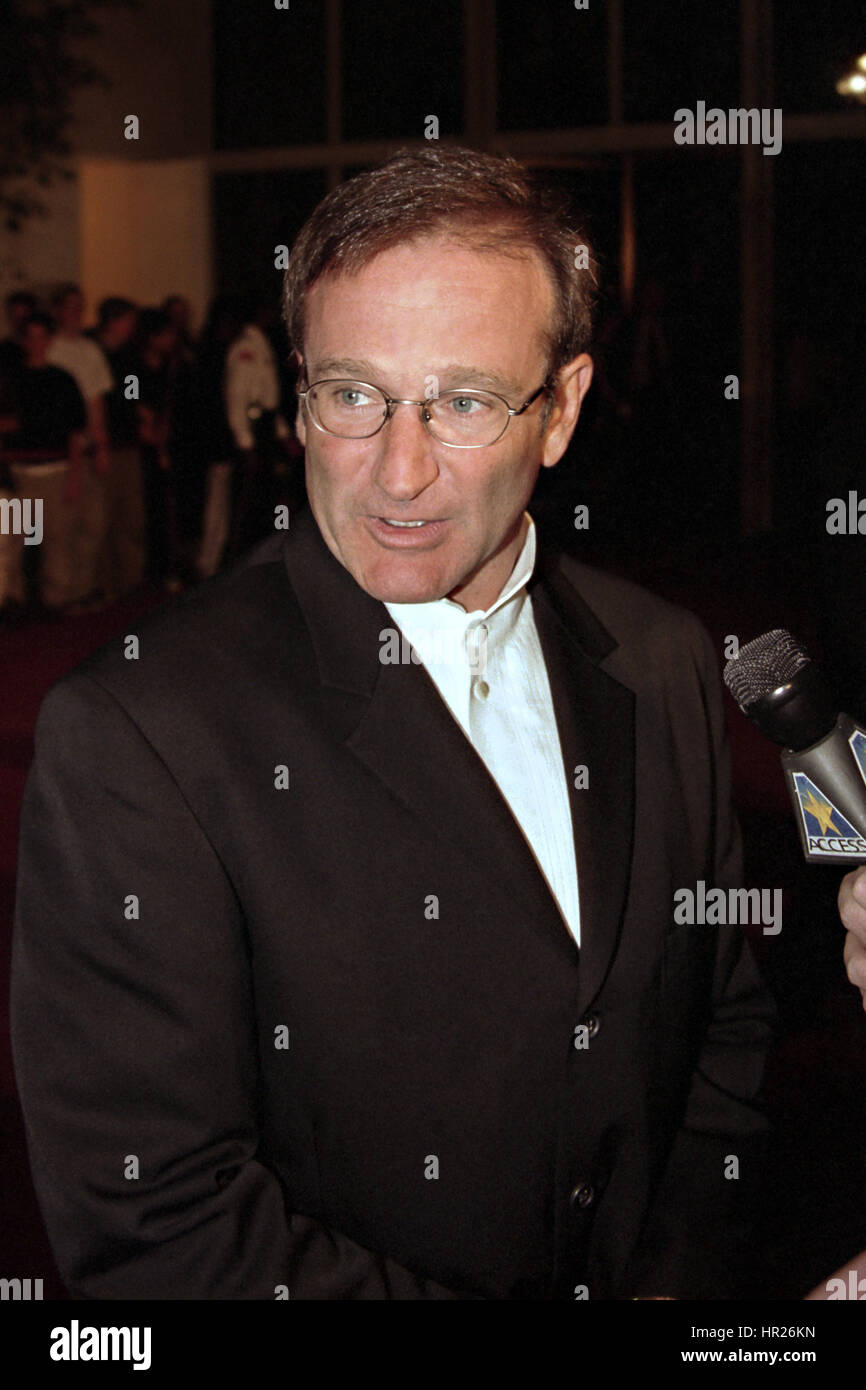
[(135, 1043), (699, 1240)]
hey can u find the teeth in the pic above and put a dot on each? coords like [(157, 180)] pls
[(388, 520)]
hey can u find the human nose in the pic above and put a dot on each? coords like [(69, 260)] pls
[(406, 463)]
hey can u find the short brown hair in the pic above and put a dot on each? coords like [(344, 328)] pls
[(491, 202)]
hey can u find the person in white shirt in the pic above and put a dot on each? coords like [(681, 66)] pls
[(251, 386), (87, 363)]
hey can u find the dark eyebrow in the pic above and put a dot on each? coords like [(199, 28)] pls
[(451, 377), (354, 368)]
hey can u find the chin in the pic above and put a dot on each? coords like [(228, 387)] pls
[(405, 593), (400, 583), (403, 589)]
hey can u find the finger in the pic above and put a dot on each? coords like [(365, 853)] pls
[(852, 901), (854, 956)]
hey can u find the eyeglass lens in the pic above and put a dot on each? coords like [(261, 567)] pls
[(356, 411)]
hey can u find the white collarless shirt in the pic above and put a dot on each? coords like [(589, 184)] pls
[(496, 657)]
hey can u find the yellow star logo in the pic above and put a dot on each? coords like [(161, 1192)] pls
[(822, 811)]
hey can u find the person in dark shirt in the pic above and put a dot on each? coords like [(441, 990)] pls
[(19, 306), (45, 455), (179, 310), (216, 444), (114, 332), (185, 445), (156, 341), (123, 556)]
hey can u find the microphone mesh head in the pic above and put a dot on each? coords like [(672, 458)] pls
[(763, 665)]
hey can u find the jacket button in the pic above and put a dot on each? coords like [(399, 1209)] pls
[(582, 1195), (593, 1023)]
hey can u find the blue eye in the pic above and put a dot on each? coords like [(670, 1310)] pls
[(350, 397), (466, 405)]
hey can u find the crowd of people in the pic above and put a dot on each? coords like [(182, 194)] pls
[(156, 457)]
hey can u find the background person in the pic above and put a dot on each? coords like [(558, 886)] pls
[(259, 429), (156, 342), (45, 456), (123, 556), (19, 306), (77, 354), (216, 440)]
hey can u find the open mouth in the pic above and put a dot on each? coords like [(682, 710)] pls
[(397, 532)]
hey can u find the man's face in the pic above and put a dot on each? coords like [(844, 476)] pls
[(121, 329), (70, 312), (433, 308), (179, 313), (165, 341), (36, 341), (18, 310)]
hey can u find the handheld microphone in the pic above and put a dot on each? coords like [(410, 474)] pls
[(774, 682)]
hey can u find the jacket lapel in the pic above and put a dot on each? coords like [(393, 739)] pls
[(595, 718), (378, 710)]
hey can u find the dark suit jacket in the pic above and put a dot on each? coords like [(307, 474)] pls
[(417, 1040)]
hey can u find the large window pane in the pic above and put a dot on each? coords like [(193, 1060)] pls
[(665, 450), (551, 65), (813, 50), (583, 477), (269, 75), (401, 63), (253, 213), (678, 53), (820, 287)]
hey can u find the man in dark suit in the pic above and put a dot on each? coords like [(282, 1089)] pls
[(342, 975)]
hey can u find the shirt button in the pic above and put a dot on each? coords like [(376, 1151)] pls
[(475, 643), (481, 690), (593, 1023), (582, 1195)]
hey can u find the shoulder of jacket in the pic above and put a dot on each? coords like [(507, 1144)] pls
[(638, 619), (216, 624)]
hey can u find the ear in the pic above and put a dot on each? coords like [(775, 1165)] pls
[(300, 422), (570, 386)]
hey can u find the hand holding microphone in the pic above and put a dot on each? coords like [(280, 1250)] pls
[(777, 686)]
